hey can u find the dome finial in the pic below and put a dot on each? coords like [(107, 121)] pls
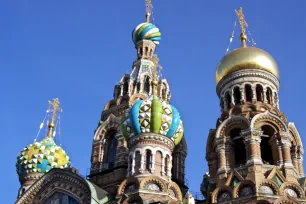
[(243, 26), (148, 10), (55, 107)]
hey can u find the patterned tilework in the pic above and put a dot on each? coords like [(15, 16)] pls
[(41, 157), (152, 115)]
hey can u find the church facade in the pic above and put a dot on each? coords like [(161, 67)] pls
[(139, 150)]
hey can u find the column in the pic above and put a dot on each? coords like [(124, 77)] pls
[(221, 158), (242, 95), (265, 99), (225, 105), (254, 97), (252, 139), (121, 89), (286, 144), (232, 98), (294, 158), (142, 162), (133, 164), (163, 165), (300, 152), (152, 168), (129, 88), (169, 167)]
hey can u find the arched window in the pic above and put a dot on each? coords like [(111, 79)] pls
[(111, 149), (138, 87), (248, 93), (148, 159), (269, 95), (238, 147), (222, 103), (228, 100), (259, 93), (137, 161), (147, 85), (265, 147), (237, 95), (125, 87)]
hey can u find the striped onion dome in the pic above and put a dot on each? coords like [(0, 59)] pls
[(146, 31), (155, 116), (41, 157)]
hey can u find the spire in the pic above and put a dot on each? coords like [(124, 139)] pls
[(54, 108), (155, 60), (148, 10), (243, 26)]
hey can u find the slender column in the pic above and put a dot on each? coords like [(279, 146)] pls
[(142, 163), (163, 165), (121, 89), (152, 168), (221, 156), (169, 167), (265, 100), (129, 87), (232, 98), (294, 158), (300, 152), (101, 153), (133, 164), (254, 97), (242, 100)]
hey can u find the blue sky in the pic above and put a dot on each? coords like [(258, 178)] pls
[(78, 50)]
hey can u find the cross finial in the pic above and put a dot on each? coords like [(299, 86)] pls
[(243, 26), (55, 107), (155, 60), (149, 7)]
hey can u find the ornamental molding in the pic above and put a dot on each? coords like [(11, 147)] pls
[(230, 123), (112, 122), (57, 180), (253, 73), (270, 119), (151, 138), (294, 186), (271, 184)]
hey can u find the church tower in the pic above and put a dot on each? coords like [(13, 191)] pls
[(254, 154), (115, 155)]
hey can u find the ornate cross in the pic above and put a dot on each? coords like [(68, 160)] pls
[(242, 22), (149, 7), (55, 107)]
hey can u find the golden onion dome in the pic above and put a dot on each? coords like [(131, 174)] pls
[(246, 58)]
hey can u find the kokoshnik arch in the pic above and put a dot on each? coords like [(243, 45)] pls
[(138, 153)]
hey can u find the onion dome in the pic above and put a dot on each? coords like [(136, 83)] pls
[(41, 157), (146, 31), (246, 58), (152, 116)]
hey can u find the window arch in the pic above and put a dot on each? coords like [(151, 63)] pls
[(237, 95), (238, 147), (265, 147), (259, 93), (248, 93)]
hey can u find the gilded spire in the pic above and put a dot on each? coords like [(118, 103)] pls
[(243, 26), (155, 60), (148, 10), (54, 108)]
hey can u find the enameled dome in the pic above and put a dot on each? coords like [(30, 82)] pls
[(146, 31), (155, 116), (246, 58), (41, 157)]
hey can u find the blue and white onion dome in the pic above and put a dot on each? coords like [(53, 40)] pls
[(152, 116), (147, 31)]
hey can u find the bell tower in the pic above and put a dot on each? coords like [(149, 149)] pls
[(254, 154)]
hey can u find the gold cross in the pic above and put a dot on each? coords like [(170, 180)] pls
[(242, 22), (55, 107), (149, 7)]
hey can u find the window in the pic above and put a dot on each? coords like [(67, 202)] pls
[(265, 147), (248, 93), (238, 147), (259, 93), (237, 95), (110, 149), (125, 87), (228, 100), (147, 85), (148, 159)]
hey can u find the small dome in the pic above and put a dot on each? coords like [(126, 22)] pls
[(154, 116), (246, 58), (146, 31), (41, 157)]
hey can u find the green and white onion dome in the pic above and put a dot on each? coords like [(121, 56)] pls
[(146, 31), (152, 116), (41, 157)]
